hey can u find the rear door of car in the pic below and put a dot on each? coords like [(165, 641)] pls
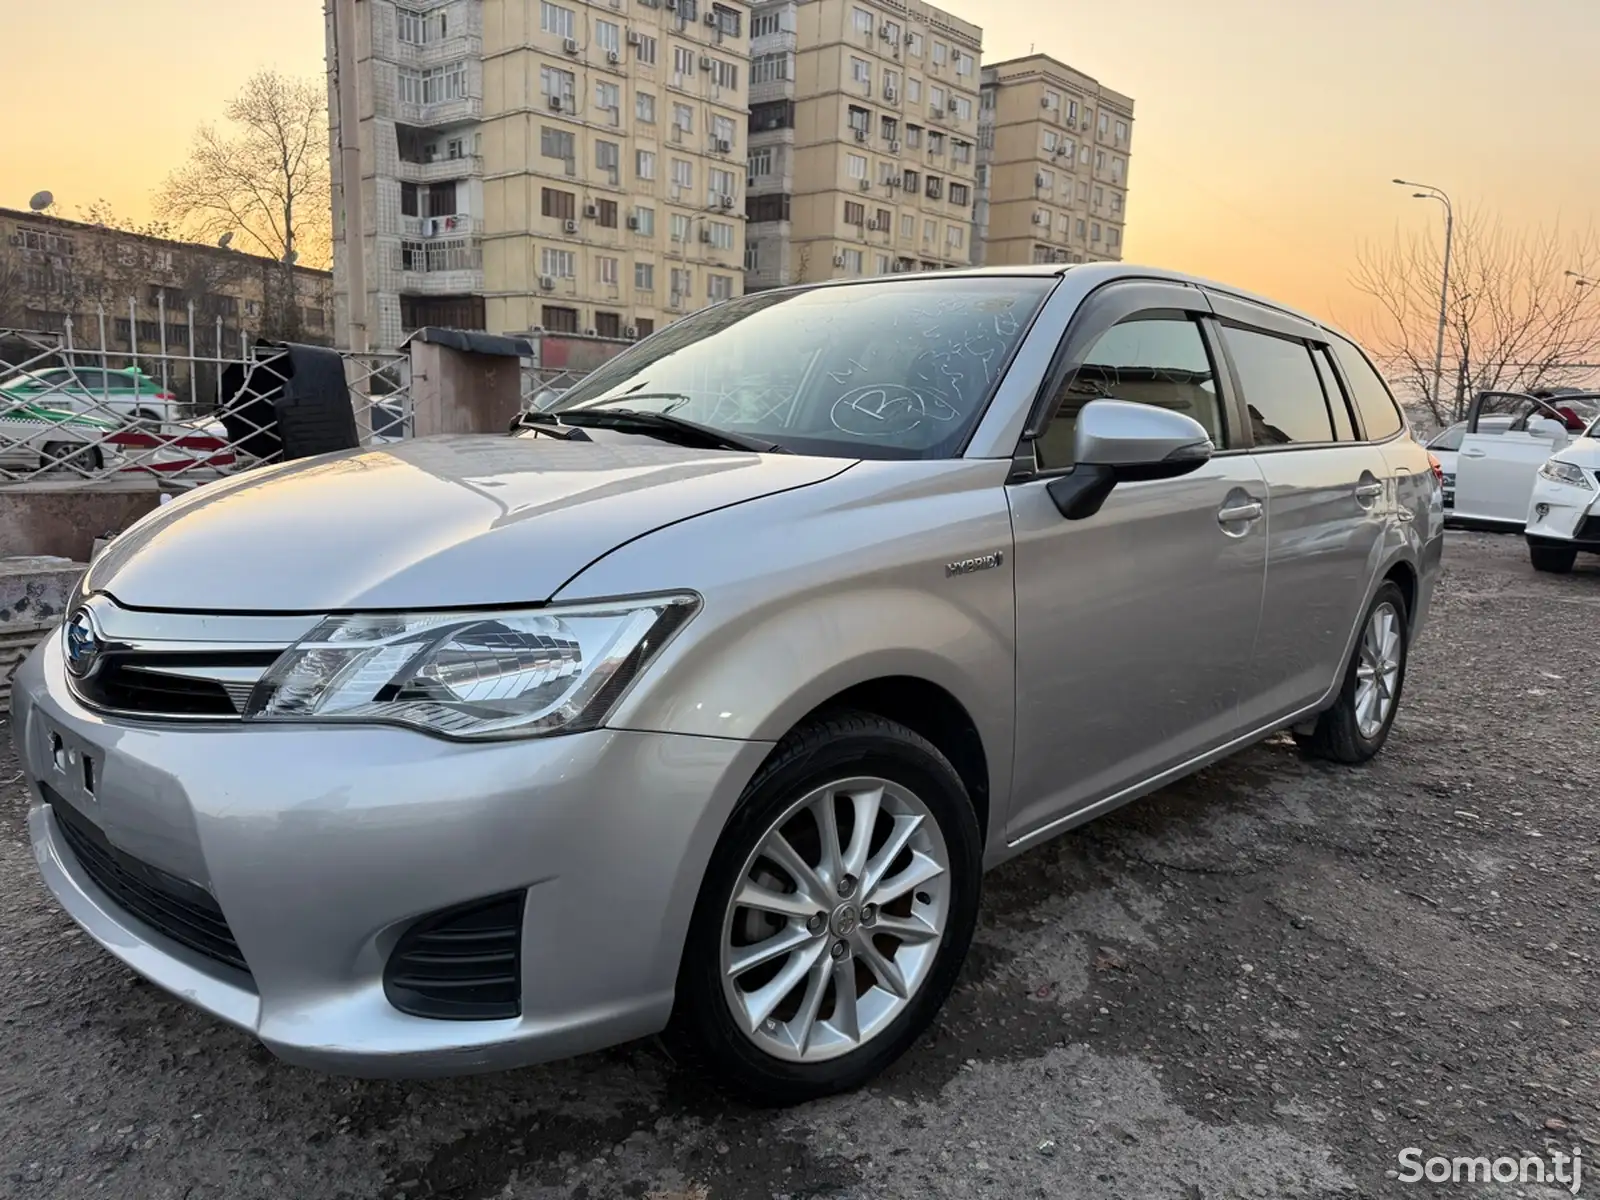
[(1495, 472), (1329, 499)]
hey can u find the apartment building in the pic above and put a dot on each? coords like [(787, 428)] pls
[(1053, 153), (863, 139), (570, 165)]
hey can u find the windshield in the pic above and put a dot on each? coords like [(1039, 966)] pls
[(1450, 439), (893, 369)]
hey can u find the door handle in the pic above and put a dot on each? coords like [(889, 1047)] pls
[(1473, 454), (1233, 513), (1369, 491)]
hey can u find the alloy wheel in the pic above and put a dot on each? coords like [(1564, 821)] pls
[(1378, 670), (835, 920)]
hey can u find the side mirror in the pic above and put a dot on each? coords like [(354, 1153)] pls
[(1118, 442), (1547, 427)]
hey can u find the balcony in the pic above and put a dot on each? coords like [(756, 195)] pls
[(454, 226), (445, 112), (441, 170)]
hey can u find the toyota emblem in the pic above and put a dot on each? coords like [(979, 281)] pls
[(82, 641)]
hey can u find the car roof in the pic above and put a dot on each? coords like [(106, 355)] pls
[(1097, 274)]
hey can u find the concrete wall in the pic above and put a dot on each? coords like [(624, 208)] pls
[(64, 518)]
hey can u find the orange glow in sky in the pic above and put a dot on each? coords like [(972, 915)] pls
[(1265, 137)]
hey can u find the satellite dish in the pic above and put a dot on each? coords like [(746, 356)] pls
[(225, 239), (41, 201)]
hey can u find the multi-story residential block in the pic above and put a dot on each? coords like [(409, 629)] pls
[(863, 135), (1053, 154), (570, 165)]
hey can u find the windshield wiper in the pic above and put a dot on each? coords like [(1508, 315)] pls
[(679, 429), (626, 397), (548, 424)]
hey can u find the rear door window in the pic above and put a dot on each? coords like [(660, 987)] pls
[(1282, 393), (1380, 415), (1343, 425)]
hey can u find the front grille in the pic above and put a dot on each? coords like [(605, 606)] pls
[(171, 906), (462, 963), (1588, 530), (175, 685)]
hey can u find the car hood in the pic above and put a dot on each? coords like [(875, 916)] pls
[(431, 523), (1583, 452)]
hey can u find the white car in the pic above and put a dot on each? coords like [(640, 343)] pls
[(1564, 514), (1447, 442), (1495, 471)]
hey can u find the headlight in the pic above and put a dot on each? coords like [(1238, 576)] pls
[(1564, 472), (470, 674)]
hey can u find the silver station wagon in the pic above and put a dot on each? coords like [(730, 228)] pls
[(702, 701)]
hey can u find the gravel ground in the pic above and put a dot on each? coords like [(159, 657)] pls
[(1262, 982)]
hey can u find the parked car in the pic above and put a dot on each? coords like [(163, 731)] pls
[(37, 437), (703, 701), (1564, 513), (129, 395), (1447, 443), (1496, 470)]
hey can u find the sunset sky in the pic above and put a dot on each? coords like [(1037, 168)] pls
[(1266, 131)]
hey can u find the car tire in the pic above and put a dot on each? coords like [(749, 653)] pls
[(1555, 559), (1345, 733), (765, 1061), (144, 416), (71, 456)]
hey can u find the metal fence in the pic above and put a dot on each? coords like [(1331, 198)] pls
[(189, 413)]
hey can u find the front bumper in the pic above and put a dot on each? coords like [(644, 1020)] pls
[(322, 844), (1562, 515)]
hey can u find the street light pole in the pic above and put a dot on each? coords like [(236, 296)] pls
[(1429, 192)]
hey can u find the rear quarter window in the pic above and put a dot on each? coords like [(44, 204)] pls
[(1379, 413)]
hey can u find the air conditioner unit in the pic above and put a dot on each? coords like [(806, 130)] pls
[(555, 103), (838, 260), (570, 226), (705, 62), (883, 32), (630, 331), (705, 234), (723, 145), (672, 5), (547, 282), (1039, 180), (591, 211), (15, 239), (711, 18), (935, 111), (726, 201), (570, 45), (952, 104), (861, 135), (633, 38), (894, 147), (591, 333), (633, 222), (1040, 219), (866, 185), (1044, 101), (890, 94), (872, 225), (613, 57)]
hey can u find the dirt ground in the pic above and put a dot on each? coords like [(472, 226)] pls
[(1265, 981)]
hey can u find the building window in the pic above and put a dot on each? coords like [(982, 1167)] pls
[(759, 163), (1052, 101), (608, 35), (1099, 196), (555, 82), (605, 270), (752, 256), (722, 184), (914, 44), (1046, 181), (680, 227), (719, 287), (721, 235), (645, 218), (913, 91), (935, 188), (644, 277), (556, 143), (770, 68), (1094, 232), (911, 182), (960, 151), (1072, 109), (852, 262), (891, 32), (555, 19), (1113, 238), (682, 282), (767, 23), (767, 208), (722, 131), (1116, 202), (883, 264), (408, 200), (644, 107), (682, 173), (559, 320), (608, 158), (952, 236), (964, 63), (936, 98), (1069, 149), (959, 194), (644, 326), (908, 226), (559, 264), (1083, 229), (728, 22), (860, 119), (608, 324), (935, 142), (1083, 190), (941, 52), (608, 214), (861, 71), (861, 20), (644, 164), (724, 74), (682, 62), (1116, 170), (1103, 124), (683, 118), (930, 231), (856, 165), (607, 97), (645, 51), (914, 136), (558, 204), (888, 173), (409, 26), (1121, 133), (775, 114), (1099, 160), (855, 213), (963, 108)]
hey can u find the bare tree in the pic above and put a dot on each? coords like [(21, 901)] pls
[(264, 179), (1514, 320)]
